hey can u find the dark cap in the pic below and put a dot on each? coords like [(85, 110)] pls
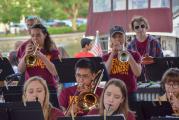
[(85, 41), (116, 29)]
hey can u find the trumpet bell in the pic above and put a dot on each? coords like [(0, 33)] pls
[(30, 60), (123, 57)]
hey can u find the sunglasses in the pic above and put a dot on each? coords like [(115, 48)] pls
[(139, 26), (30, 17)]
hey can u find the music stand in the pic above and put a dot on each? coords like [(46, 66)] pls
[(32, 111), (147, 109), (17, 111), (66, 68), (5, 68), (155, 71), (3, 111), (115, 117)]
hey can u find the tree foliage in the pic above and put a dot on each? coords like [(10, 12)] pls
[(15, 10), (72, 8)]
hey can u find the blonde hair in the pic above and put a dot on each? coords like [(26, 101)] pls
[(138, 19), (46, 107), (123, 107)]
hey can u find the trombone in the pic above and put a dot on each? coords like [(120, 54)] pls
[(88, 100)]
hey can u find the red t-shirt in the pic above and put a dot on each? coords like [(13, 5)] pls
[(55, 114), (39, 69), (67, 95), (142, 47), (122, 70), (83, 54)]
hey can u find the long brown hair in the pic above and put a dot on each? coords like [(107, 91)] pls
[(48, 43), (46, 107), (123, 107)]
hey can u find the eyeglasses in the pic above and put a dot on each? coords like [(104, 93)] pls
[(139, 26), (85, 76), (174, 85)]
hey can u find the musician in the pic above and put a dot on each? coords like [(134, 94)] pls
[(30, 21), (35, 89), (126, 71), (170, 83), (84, 74), (45, 52), (144, 43), (114, 100)]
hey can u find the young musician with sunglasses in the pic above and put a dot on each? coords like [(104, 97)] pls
[(144, 43), (129, 70)]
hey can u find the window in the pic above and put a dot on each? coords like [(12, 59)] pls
[(101, 5), (119, 5), (138, 4), (160, 4)]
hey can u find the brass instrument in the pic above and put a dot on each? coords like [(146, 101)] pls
[(31, 59), (89, 100), (123, 56)]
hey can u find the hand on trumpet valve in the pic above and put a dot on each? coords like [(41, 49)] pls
[(115, 48), (30, 49)]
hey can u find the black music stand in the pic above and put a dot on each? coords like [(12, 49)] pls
[(3, 112), (155, 71), (5, 68), (145, 110), (115, 117), (66, 68), (17, 111)]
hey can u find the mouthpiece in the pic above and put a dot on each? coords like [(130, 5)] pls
[(109, 108), (36, 99)]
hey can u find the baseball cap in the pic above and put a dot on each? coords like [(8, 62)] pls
[(85, 41), (116, 29)]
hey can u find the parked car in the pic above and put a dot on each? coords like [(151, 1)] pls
[(15, 28), (55, 23)]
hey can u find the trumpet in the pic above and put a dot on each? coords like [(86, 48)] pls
[(123, 56), (31, 59)]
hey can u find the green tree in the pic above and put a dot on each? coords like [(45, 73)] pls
[(11, 11), (71, 8)]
